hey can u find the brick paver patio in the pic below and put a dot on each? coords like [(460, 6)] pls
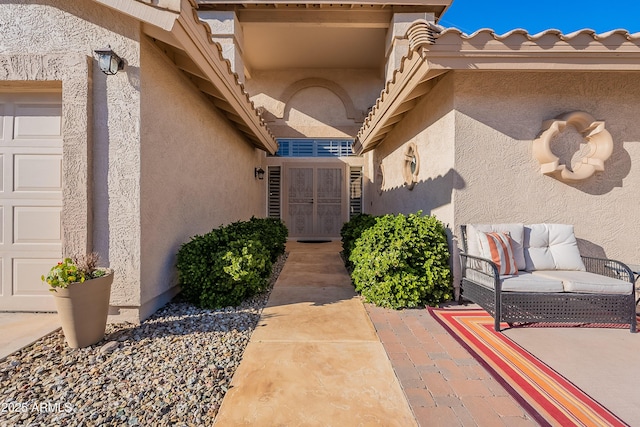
[(444, 384)]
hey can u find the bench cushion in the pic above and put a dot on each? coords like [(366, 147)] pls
[(589, 283), (551, 247), (527, 282), (515, 230)]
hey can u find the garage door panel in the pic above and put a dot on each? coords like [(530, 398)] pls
[(2, 170), (30, 197), (27, 275), (34, 172), (37, 224), (36, 121)]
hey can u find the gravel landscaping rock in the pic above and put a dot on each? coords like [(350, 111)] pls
[(173, 369)]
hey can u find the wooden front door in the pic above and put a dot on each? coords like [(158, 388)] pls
[(315, 204)]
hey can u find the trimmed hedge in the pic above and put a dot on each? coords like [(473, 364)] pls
[(352, 230), (272, 233), (230, 263), (403, 261)]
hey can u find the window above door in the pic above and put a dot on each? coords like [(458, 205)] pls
[(306, 147)]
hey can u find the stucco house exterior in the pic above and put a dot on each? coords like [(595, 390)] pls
[(307, 111)]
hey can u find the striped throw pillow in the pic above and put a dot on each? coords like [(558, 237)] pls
[(497, 247)]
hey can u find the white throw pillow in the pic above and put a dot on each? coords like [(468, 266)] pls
[(515, 230), (551, 247)]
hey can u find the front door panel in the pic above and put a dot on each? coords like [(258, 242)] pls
[(315, 200), (329, 201), (300, 193)]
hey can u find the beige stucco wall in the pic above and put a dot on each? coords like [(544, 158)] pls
[(42, 73), (109, 126), (314, 103), (430, 126), (197, 172), (498, 115), (148, 162), (474, 134)]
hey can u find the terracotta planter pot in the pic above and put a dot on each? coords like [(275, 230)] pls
[(83, 310)]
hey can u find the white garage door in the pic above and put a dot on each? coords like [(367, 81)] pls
[(30, 197)]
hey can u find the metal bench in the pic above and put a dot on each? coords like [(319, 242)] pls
[(482, 285)]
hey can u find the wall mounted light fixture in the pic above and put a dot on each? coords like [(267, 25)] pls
[(258, 173), (108, 61)]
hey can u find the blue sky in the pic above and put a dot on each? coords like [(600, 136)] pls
[(539, 15)]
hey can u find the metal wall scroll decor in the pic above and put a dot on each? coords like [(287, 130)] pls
[(411, 166), (600, 146)]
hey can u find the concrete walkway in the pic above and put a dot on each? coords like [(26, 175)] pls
[(18, 330), (315, 358), (321, 357)]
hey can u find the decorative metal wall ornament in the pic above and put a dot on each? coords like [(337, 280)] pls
[(411, 166), (593, 131)]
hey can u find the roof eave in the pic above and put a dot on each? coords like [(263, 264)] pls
[(163, 15), (175, 24), (207, 55), (405, 85), (434, 52)]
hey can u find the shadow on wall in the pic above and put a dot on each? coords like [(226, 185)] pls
[(426, 195), (616, 168), (100, 166), (105, 147), (570, 147), (517, 104)]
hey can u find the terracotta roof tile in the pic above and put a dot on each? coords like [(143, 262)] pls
[(435, 49)]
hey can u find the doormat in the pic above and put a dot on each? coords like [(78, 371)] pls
[(545, 394)]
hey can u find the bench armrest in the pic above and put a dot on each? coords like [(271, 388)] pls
[(480, 270), (608, 267)]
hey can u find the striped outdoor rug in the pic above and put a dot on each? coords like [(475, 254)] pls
[(546, 395)]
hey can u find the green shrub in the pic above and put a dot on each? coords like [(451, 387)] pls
[(200, 264), (246, 266), (403, 261), (352, 230), (231, 263), (271, 232)]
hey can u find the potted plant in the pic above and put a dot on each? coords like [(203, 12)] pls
[(81, 291)]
